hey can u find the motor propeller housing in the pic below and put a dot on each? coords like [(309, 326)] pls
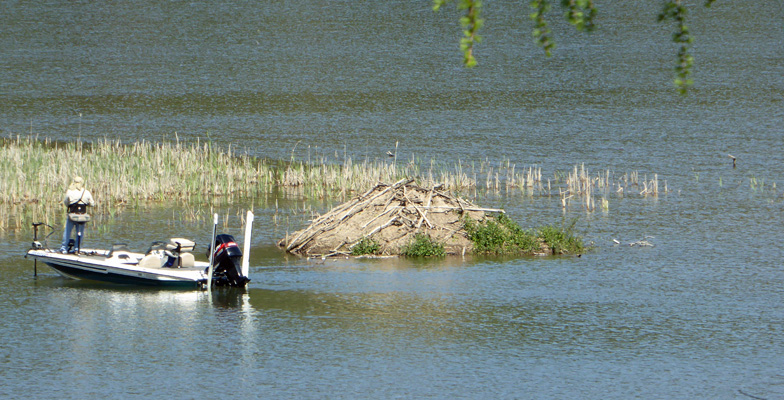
[(227, 261)]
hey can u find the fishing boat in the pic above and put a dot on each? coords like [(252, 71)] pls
[(168, 263)]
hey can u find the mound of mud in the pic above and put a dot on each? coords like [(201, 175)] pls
[(390, 215)]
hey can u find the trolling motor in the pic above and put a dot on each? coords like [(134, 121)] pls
[(227, 260), (36, 245)]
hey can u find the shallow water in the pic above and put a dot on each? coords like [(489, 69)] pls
[(698, 315)]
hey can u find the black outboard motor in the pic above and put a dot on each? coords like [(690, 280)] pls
[(227, 260)]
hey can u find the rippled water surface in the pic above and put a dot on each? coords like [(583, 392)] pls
[(698, 315)]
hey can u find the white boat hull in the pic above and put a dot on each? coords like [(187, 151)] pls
[(122, 268)]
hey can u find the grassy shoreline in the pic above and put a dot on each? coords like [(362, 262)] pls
[(34, 174)]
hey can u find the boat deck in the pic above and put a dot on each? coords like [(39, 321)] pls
[(119, 267)]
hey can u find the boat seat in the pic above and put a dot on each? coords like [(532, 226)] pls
[(180, 244), (174, 253), (181, 249), (120, 255), (151, 261), (116, 248), (186, 260)]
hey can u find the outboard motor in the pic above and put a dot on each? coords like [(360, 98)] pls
[(227, 260)]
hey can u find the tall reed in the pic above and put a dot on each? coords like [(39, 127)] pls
[(35, 172)]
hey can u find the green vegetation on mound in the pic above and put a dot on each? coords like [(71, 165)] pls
[(365, 246), (423, 246), (502, 235), (561, 240)]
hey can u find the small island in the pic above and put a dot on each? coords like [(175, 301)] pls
[(410, 220)]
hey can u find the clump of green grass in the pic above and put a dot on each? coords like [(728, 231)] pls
[(502, 235), (365, 246), (423, 246), (562, 240)]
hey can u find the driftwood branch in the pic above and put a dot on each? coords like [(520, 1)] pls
[(385, 212), (427, 207), (382, 226), (752, 396)]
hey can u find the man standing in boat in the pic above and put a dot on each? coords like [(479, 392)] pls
[(77, 198)]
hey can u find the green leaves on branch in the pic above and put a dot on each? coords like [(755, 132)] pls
[(580, 13), (542, 33), (675, 11), (471, 23)]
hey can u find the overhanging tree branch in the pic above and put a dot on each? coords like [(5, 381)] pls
[(580, 14), (674, 10), (471, 23)]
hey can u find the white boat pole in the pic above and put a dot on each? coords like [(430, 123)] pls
[(212, 252), (246, 244)]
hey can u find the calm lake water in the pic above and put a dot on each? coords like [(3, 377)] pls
[(698, 315)]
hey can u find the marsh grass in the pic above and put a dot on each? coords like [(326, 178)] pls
[(501, 235), (584, 187), (34, 174)]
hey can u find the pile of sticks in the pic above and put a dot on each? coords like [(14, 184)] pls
[(388, 214)]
